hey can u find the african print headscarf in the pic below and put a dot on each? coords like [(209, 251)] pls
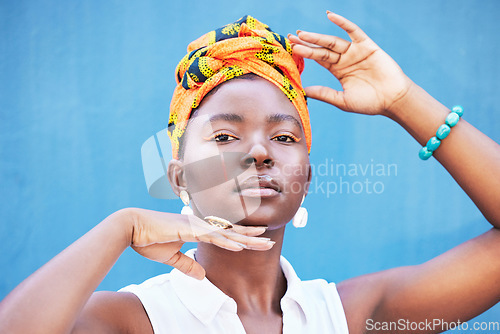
[(245, 46)]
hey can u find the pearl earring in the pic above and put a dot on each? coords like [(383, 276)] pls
[(300, 218), (186, 209)]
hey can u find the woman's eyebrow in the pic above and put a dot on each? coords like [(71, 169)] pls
[(277, 118), (230, 117), (226, 117)]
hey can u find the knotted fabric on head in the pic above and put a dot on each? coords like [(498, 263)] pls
[(245, 46)]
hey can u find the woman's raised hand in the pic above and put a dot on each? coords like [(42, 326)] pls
[(371, 80), (159, 236)]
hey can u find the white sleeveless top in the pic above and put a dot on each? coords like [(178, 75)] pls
[(177, 303)]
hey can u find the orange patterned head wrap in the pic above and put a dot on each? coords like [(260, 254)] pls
[(245, 46)]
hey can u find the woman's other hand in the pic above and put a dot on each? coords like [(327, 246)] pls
[(371, 80), (159, 236)]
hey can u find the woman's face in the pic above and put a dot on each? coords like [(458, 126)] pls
[(245, 155)]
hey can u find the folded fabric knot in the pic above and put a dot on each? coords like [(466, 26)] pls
[(245, 46)]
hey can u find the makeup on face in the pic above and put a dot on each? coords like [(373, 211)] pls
[(241, 148)]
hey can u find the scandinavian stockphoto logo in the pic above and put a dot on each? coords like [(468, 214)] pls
[(332, 177)]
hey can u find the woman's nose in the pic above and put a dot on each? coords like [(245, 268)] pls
[(258, 155)]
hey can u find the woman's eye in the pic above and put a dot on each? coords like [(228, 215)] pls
[(223, 137), (285, 138)]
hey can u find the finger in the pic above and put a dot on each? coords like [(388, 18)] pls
[(237, 238), (328, 95), (199, 227), (323, 56), (233, 241), (254, 243), (354, 32), (300, 52), (195, 229), (333, 43), (250, 231), (186, 265), (296, 40), (222, 241)]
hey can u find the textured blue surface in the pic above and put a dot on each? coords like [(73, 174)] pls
[(84, 83)]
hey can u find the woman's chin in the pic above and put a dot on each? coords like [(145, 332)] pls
[(252, 207), (273, 218)]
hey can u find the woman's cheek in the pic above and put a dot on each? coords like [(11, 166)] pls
[(295, 178), (223, 201)]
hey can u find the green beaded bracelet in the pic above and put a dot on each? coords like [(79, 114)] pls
[(442, 132)]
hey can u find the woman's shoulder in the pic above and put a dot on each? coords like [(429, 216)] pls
[(113, 312)]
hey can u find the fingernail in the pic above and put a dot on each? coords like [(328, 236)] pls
[(242, 245), (271, 243), (264, 238), (299, 31), (328, 12)]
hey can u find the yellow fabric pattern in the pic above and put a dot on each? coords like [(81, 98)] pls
[(245, 46)]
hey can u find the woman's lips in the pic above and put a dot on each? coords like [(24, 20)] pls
[(259, 192), (259, 186)]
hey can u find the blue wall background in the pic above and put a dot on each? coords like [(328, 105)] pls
[(84, 83)]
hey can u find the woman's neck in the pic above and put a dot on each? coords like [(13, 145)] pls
[(254, 279)]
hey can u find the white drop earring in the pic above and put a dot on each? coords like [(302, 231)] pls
[(186, 209), (300, 218)]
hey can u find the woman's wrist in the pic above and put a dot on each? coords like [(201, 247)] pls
[(121, 224), (418, 112), (402, 98), (398, 107)]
